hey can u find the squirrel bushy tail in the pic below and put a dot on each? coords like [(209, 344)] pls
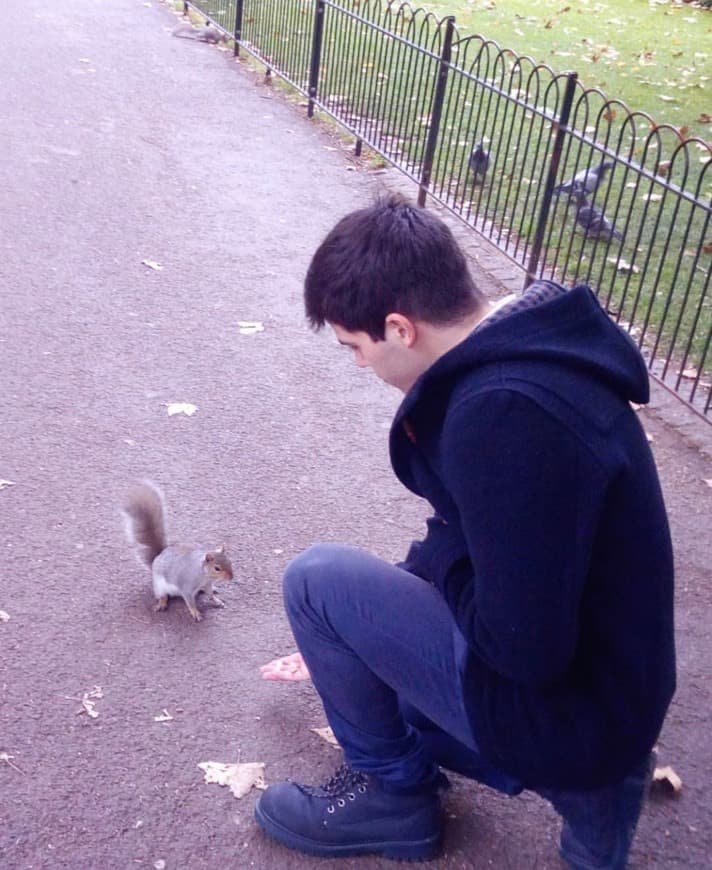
[(144, 519)]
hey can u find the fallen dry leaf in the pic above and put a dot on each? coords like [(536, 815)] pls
[(623, 266), (4, 616), (181, 408), (88, 702), (163, 716), (6, 483), (152, 264), (689, 373), (240, 777), (707, 480), (250, 327), (327, 734), (8, 760), (667, 779)]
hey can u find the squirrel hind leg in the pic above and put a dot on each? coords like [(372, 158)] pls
[(161, 603)]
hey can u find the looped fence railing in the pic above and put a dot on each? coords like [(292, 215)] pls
[(567, 183)]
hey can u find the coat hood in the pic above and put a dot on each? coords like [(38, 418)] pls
[(559, 339)]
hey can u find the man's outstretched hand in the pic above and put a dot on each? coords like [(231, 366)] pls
[(288, 668)]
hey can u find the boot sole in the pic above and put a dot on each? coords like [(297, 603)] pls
[(406, 850)]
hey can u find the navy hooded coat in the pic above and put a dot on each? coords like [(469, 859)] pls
[(550, 540)]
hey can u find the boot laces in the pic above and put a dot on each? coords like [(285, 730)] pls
[(344, 785)]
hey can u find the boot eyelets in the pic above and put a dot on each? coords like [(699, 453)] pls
[(362, 789), (341, 802), (330, 808), (351, 796)]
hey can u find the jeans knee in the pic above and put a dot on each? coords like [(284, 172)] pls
[(310, 568)]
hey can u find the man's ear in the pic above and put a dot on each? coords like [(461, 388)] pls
[(401, 328)]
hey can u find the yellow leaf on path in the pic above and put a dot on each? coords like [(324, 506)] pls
[(327, 734), (152, 264), (707, 480), (240, 777), (668, 779), (6, 483), (181, 408), (5, 616), (8, 760), (163, 716), (89, 702), (250, 327)]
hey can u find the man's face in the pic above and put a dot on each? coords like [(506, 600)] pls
[(389, 359)]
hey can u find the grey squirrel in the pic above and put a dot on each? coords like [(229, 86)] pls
[(208, 33), (178, 570)]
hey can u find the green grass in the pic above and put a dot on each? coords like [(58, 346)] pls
[(657, 279), (654, 55)]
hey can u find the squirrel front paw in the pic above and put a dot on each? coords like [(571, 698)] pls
[(194, 612)]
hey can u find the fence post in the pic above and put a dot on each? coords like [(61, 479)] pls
[(561, 132), (315, 55), (437, 109), (237, 36)]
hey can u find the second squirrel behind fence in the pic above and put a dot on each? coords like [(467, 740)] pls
[(202, 34), (178, 569)]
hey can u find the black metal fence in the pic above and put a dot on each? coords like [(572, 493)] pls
[(566, 183)]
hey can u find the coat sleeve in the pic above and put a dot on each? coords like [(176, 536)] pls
[(443, 543), (528, 493)]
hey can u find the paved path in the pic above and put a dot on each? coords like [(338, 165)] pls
[(121, 144)]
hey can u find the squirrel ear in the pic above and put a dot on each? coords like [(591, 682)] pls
[(209, 557)]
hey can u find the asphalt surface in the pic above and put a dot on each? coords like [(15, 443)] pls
[(121, 145)]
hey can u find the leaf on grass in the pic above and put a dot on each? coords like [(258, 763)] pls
[(152, 264), (250, 327), (163, 716), (666, 779), (240, 777), (690, 373), (327, 734), (623, 266), (6, 483), (704, 118), (4, 616), (663, 168), (651, 197), (181, 408)]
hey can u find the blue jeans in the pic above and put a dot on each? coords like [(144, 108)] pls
[(385, 657)]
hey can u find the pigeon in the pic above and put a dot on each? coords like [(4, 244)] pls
[(592, 220), (479, 160), (587, 180)]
